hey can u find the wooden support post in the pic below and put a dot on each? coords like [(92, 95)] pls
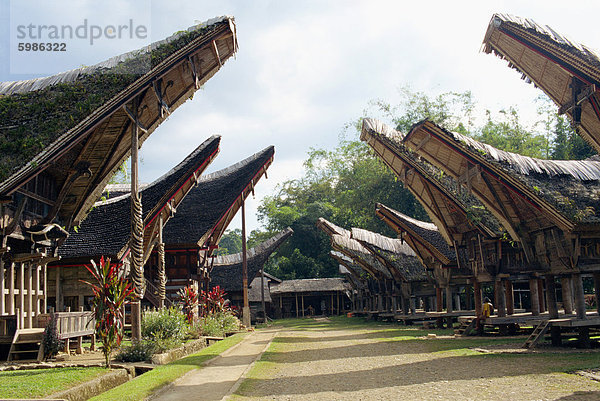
[(36, 290), (58, 291), (2, 286), (584, 334), (246, 306), (449, 299), (551, 297), (534, 298), (332, 312), (439, 302), (296, 295), (45, 289), (21, 316), (477, 298), (413, 307), (10, 302), (567, 294), (597, 291), (394, 304), (540, 284), (457, 301), (510, 297), (501, 297), (468, 297), (579, 296), (338, 302), (302, 296)]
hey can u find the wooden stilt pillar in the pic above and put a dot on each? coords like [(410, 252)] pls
[(10, 302), (338, 303), (2, 288), (535, 299), (477, 298), (551, 297), (413, 308), (567, 294), (302, 298), (597, 291), (36, 290), (45, 290), (439, 302), (332, 312), (510, 297), (457, 301), (579, 296), (540, 283), (449, 299), (394, 304), (379, 302), (469, 297), (501, 297), (58, 304), (296, 294), (21, 316)]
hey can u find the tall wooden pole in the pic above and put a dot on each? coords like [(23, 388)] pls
[(534, 298), (162, 276), (136, 241), (246, 309), (262, 293)]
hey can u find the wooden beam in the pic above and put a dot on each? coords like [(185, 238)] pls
[(510, 297), (551, 297), (579, 296), (29, 301), (534, 298), (567, 294), (20, 318), (578, 100)]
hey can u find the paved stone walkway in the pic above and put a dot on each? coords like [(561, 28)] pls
[(222, 375)]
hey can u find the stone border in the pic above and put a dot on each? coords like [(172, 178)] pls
[(92, 388), (178, 353)]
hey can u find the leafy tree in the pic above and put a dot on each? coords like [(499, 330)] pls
[(231, 242)]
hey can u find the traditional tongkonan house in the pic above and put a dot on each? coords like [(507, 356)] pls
[(65, 136), (549, 207), (383, 284), (193, 234), (568, 72), (227, 271), (461, 219), (399, 258), (355, 276), (105, 232)]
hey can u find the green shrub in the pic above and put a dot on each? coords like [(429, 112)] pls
[(164, 324), (217, 324), (139, 352)]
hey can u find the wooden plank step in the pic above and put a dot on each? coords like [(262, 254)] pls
[(537, 334)]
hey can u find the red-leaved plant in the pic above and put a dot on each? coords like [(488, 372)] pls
[(214, 301), (189, 299), (111, 292)]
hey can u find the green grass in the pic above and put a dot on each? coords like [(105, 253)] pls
[(42, 382), (144, 385)]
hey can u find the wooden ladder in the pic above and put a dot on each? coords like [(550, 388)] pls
[(466, 327), (27, 345), (537, 334)]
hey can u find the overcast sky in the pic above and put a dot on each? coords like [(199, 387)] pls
[(306, 68)]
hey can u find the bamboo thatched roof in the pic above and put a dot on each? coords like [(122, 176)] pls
[(202, 219), (426, 234), (453, 211), (227, 269), (392, 252), (568, 72), (106, 230), (74, 126), (525, 193), (311, 285)]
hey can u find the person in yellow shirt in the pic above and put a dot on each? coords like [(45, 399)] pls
[(488, 308)]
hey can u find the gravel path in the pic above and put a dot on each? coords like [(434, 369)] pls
[(358, 364), (221, 376)]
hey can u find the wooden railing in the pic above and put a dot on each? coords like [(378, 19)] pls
[(8, 327), (74, 324)]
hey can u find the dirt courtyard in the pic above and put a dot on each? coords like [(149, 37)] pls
[(345, 360)]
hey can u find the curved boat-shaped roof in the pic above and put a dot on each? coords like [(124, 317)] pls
[(392, 252), (203, 217), (227, 270), (453, 211), (106, 230), (76, 126), (568, 72)]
